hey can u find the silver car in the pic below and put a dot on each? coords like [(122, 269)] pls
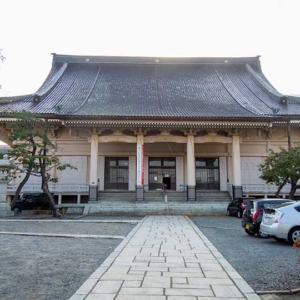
[(282, 222)]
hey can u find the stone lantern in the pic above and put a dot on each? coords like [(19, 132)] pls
[(5, 166)]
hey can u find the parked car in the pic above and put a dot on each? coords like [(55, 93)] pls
[(282, 222), (253, 213), (30, 201), (236, 207)]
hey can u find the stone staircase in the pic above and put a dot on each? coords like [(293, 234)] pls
[(212, 196), (117, 196), (124, 203), (159, 196), (170, 196)]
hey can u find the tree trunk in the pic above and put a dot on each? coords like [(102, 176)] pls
[(280, 187), (28, 173), (293, 189), (289, 135), (45, 179), (18, 191), (51, 200)]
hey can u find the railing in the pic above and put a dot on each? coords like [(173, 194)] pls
[(229, 189), (53, 187), (84, 188), (265, 188)]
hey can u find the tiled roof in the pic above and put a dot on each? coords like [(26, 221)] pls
[(140, 87)]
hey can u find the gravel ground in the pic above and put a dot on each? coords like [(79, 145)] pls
[(116, 229), (46, 268), (264, 263), (49, 268)]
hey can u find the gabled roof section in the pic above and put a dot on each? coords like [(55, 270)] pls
[(156, 88)]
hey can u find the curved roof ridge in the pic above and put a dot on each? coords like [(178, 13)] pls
[(254, 94), (158, 60), (90, 92), (270, 89), (49, 85), (245, 103)]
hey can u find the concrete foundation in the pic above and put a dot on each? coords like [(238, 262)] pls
[(140, 193), (191, 193), (5, 210)]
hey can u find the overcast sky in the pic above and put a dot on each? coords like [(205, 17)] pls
[(33, 29)]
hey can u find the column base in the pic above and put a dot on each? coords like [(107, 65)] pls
[(237, 191), (140, 193), (93, 194), (191, 193), (5, 210)]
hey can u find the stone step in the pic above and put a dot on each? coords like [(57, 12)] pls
[(142, 208), (159, 196)]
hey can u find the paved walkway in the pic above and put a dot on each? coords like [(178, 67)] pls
[(165, 258)]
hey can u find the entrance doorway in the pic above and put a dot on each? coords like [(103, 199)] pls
[(167, 182), (116, 173), (162, 171), (207, 174)]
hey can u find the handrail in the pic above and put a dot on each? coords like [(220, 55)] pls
[(53, 187), (229, 190), (164, 192)]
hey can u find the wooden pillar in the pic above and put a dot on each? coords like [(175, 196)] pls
[(191, 168), (140, 167), (236, 167), (93, 190)]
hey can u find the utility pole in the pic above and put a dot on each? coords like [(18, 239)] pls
[(289, 135)]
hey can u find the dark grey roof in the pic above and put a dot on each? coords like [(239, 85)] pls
[(153, 87)]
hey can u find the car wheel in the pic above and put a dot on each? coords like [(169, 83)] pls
[(239, 214), (228, 212), (260, 234), (249, 232), (16, 210), (294, 234)]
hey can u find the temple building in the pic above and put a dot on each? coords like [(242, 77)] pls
[(148, 123)]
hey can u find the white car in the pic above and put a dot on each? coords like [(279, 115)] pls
[(282, 222)]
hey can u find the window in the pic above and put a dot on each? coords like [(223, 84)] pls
[(297, 208)]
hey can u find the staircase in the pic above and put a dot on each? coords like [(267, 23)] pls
[(124, 203), (117, 196), (159, 196), (209, 196)]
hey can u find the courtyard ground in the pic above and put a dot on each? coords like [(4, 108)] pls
[(43, 267)]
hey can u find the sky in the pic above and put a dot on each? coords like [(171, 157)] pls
[(33, 29)]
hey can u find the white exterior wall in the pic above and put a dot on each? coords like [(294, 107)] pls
[(250, 170), (31, 180), (72, 176)]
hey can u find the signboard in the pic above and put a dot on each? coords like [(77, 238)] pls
[(140, 165)]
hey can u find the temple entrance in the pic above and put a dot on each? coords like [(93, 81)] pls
[(162, 171), (167, 182), (207, 174), (116, 173)]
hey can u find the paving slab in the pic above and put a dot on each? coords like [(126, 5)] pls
[(165, 257)]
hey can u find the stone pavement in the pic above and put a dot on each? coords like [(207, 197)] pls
[(165, 258)]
